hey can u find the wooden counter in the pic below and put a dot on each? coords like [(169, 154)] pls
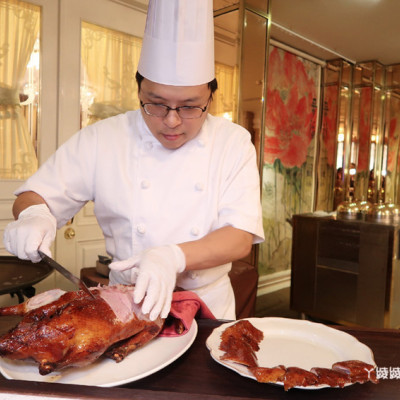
[(196, 375), (347, 272)]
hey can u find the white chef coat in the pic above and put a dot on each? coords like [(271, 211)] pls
[(146, 195)]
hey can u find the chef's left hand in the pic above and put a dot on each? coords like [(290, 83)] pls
[(154, 272)]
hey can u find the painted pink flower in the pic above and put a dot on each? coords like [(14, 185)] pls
[(290, 110)]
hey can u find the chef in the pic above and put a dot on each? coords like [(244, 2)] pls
[(176, 190)]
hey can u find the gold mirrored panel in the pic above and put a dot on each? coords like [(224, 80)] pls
[(334, 159), (367, 182), (221, 4), (258, 5), (391, 135), (252, 76), (366, 98)]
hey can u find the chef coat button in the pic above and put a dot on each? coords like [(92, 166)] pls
[(145, 184), (141, 229), (195, 231), (149, 145), (192, 275), (201, 142), (199, 186)]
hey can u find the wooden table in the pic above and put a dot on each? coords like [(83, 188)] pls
[(196, 375)]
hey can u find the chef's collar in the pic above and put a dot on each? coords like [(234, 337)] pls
[(144, 132), (146, 136), (202, 137)]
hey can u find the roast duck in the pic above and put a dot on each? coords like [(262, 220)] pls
[(240, 343), (63, 329)]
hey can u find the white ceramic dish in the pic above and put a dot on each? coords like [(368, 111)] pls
[(295, 343), (143, 362)]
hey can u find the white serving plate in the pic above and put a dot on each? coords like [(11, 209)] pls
[(143, 362), (295, 343)]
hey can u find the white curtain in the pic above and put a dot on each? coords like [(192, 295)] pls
[(109, 64), (19, 28), (225, 98), (110, 60)]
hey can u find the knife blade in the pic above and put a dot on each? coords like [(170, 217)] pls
[(63, 271)]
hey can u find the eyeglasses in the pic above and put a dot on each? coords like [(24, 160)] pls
[(184, 112)]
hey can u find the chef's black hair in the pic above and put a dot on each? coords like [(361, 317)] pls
[(212, 85)]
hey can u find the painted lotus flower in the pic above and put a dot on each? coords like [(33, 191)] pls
[(290, 108)]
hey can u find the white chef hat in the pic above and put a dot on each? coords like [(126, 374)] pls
[(178, 43)]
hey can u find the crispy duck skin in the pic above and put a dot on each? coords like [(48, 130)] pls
[(76, 329), (244, 331), (239, 352), (269, 375), (295, 376), (358, 371), (239, 342), (330, 377), (120, 350), (33, 303)]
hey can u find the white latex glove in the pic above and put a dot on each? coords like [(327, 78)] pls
[(34, 229), (154, 273)]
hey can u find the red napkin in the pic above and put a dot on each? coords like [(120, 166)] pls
[(185, 307)]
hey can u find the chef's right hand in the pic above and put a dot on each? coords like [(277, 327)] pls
[(154, 273), (35, 229)]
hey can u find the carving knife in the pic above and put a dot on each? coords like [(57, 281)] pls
[(65, 272)]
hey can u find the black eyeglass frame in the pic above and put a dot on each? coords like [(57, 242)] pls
[(177, 109)]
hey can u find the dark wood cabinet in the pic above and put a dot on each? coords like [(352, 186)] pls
[(346, 271)]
